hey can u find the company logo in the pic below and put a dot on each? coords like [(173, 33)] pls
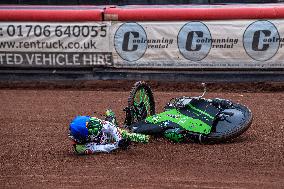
[(261, 40), (194, 41), (129, 41)]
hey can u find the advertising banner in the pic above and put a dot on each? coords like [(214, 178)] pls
[(199, 44), (43, 44)]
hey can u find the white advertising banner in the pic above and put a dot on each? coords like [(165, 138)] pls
[(199, 44), (55, 44)]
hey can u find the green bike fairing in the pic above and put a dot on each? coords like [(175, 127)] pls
[(195, 123)]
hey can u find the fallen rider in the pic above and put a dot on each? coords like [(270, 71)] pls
[(91, 135)]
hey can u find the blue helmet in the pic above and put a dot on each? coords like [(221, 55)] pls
[(78, 128)]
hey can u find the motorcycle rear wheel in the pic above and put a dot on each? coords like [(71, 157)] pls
[(232, 126)]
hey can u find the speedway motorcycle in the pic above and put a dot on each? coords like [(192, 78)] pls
[(186, 119)]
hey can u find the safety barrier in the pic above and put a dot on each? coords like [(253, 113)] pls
[(51, 13), (194, 12), (141, 13), (186, 37)]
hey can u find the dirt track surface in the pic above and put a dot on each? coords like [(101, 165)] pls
[(35, 151)]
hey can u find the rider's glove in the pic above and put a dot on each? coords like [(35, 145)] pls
[(124, 143)]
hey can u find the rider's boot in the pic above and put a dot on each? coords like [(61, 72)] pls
[(174, 135)]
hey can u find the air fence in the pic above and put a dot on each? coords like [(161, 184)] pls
[(238, 42)]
